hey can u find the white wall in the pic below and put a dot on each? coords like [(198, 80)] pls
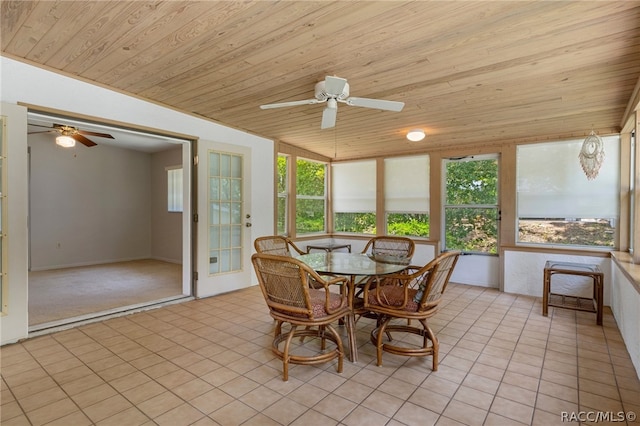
[(524, 272), (30, 85), (88, 205), (166, 227), (625, 300), (13, 320), (478, 270)]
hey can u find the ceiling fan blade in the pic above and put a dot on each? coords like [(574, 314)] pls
[(44, 131), (329, 117), (292, 103), (40, 125), (375, 103), (334, 85), (84, 141), (101, 135)]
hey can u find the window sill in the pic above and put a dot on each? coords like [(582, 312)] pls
[(631, 270)]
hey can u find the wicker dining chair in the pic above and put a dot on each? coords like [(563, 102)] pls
[(385, 248), (413, 294), (277, 245), (389, 247), (284, 282), (283, 246)]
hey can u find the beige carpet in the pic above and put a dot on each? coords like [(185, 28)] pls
[(71, 292)]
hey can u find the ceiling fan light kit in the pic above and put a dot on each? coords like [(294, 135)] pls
[(65, 141), (416, 135), (333, 90)]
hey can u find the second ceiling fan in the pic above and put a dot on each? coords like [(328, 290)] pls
[(333, 90), (73, 132)]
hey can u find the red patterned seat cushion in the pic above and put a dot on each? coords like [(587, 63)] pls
[(317, 298), (393, 296), (318, 302)]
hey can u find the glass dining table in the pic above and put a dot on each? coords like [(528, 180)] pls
[(353, 265)]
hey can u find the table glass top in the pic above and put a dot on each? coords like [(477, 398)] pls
[(570, 266), (352, 263)]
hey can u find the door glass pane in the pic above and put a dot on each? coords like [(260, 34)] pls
[(236, 189), (236, 213), (472, 229), (225, 236), (225, 212), (225, 165), (225, 191), (214, 188), (214, 164), (472, 182), (214, 213), (236, 236), (236, 166), (225, 260), (214, 265), (214, 237)]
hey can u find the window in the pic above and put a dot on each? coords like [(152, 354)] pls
[(406, 189), (311, 196), (354, 197), (174, 189), (556, 202), (471, 204), (283, 194)]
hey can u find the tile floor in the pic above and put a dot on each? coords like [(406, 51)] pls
[(208, 362)]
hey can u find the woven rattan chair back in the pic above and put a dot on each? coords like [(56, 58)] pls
[(391, 247), (276, 245), (284, 285)]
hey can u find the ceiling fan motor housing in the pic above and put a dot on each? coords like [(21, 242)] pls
[(322, 95)]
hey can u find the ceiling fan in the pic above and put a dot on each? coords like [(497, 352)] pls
[(333, 90), (73, 133)]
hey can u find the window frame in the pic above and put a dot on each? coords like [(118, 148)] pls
[(323, 197), (387, 198), (175, 189), (364, 167), (578, 219), (285, 196)]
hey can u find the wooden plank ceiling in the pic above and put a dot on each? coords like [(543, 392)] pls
[(469, 73)]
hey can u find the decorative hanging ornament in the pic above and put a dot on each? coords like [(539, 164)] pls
[(592, 155)]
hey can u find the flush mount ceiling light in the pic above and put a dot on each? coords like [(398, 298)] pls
[(416, 135), (66, 141)]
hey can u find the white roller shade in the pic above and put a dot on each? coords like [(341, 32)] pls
[(354, 187), (406, 184), (552, 184)]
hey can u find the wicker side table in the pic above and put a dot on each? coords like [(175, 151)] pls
[(593, 304)]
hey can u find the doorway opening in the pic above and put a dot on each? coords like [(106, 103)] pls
[(104, 235)]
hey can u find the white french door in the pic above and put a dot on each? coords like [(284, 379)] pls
[(224, 218)]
